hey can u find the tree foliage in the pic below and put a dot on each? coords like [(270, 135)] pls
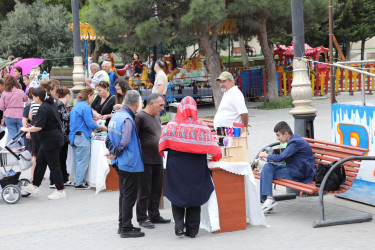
[(353, 21), (38, 30), (131, 25)]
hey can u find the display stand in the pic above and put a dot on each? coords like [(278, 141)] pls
[(230, 188)]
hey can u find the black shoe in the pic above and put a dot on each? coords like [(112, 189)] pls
[(190, 234), (147, 224), (82, 187), (160, 220), (132, 234), (179, 232), (135, 228)]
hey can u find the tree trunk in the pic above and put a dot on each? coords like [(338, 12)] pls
[(99, 48), (245, 59), (348, 50), (268, 58), (363, 42), (213, 64)]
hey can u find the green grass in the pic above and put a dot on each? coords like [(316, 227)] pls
[(282, 103)]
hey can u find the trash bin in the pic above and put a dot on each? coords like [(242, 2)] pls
[(251, 82)]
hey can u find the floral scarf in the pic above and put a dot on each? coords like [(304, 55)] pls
[(186, 133)]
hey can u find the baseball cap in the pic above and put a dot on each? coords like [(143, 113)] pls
[(225, 76)]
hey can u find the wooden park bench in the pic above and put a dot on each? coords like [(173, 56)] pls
[(326, 152)]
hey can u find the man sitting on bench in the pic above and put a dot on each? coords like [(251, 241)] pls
[(299, 159)]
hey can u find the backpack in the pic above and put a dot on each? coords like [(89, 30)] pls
[(336, 178)]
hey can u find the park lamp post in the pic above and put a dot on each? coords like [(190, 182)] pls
[(78, 71), (303, 113)]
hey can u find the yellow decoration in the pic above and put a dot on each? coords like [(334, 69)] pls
[(87, 31)]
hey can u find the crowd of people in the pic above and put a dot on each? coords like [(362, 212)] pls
[(136, 143)]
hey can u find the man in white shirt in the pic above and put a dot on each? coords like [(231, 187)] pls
[(161, 82), (232, 107), (99, 75)]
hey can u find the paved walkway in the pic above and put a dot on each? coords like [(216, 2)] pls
[(88, 221)]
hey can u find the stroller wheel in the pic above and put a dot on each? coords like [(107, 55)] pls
[(11, 194), (24, 182)]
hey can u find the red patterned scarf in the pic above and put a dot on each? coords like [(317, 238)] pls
[(186, 133)]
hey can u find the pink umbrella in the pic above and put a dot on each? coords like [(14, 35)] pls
[(27, 64)]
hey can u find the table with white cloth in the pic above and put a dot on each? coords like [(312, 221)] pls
[(98, 167), (210, 219)]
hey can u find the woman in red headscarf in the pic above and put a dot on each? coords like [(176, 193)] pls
[(188, 185)]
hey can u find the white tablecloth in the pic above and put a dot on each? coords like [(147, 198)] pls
[(99, 166), (254, 215)]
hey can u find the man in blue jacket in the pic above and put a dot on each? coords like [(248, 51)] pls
[(299, 159), (125, 153)]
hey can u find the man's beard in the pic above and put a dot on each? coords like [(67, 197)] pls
[(223, 89)]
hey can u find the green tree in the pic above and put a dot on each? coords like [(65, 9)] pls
[(256, 17), (131, 26), (42, 31), (353, 22), (7, 6)]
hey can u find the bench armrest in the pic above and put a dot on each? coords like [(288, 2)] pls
[(321, 191)]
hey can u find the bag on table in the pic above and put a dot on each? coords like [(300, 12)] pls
[(336, 178)]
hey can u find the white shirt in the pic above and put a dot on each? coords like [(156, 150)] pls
[(231, 107), (160, 79)]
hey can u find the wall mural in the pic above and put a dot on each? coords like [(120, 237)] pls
[(354, 126)]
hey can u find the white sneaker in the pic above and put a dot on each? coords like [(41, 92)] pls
[(57, 195), (69, 183), (30, 189), (268, 204)]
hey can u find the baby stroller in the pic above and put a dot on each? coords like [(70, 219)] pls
[(9, 180)]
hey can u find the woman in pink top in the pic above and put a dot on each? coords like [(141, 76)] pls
[(12, 103)]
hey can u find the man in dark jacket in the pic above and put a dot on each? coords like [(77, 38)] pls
[(299, 159)]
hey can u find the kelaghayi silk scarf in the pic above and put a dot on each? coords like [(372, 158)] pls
[(186, 133)]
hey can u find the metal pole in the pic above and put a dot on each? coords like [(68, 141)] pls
[(357, 62), (363, 89), (301, 92), (86, 58), (331, 52), (78, 70), (76, 28), (298, 30), (354, 69), (229, 53)]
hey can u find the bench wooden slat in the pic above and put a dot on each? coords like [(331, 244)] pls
[(314, 141), (326, 160), (334, 150)]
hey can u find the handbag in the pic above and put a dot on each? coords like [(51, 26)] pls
[(336, 178), (25, 160)]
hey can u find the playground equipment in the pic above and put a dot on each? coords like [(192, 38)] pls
[(135, 82)]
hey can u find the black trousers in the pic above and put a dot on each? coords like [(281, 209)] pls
[(128, 184), (191, 216), (63, 154), (150, 185), (48, 157)]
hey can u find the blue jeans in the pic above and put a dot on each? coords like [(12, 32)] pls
[(81, 156), (13, 125), (270, 172)]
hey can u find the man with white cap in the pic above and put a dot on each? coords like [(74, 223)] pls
[(232, 107)]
